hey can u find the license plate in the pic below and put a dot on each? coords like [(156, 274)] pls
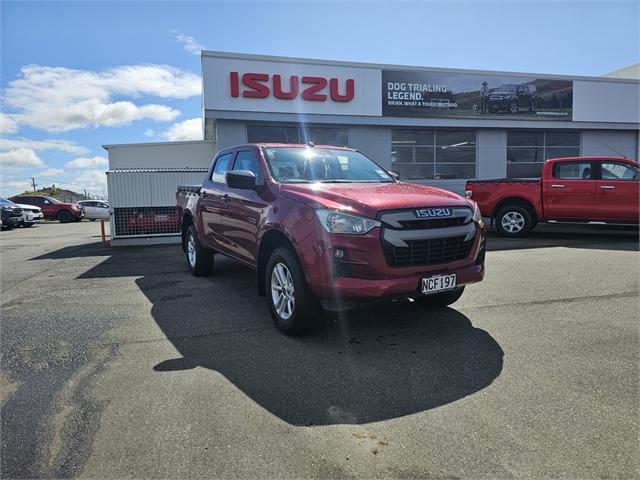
[(438, 283)]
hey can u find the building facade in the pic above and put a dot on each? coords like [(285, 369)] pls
[(430, 125)]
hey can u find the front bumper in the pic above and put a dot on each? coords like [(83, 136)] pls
[(369, 276)]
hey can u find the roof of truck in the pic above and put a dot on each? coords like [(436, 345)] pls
[(578, 159)]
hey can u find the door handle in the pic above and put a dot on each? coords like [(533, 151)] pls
[(203, 194), (607, 187), (557, 186), (225, 198)]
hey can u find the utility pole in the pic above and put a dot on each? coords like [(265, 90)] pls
[(85, 194), (33, 182)]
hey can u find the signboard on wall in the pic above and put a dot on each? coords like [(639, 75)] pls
[(468, 95), (248, 85)]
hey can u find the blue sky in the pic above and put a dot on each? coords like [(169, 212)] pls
[(77, 75)]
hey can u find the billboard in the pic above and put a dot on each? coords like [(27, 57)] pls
[(470, 95)]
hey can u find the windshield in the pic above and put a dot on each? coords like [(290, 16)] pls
[(4, 201), (307, 165), (506, 88)]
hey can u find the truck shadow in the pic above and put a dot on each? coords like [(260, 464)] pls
[(366, 366), (594, 237)]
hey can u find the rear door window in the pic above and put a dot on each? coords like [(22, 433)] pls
[(573, 171)]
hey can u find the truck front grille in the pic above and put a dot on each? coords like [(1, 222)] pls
[(427, 252), (423, 223)]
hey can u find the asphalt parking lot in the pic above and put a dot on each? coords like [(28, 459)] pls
[(118, 363)]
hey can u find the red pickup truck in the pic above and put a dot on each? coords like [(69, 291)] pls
[(327, 225), (599, 190)]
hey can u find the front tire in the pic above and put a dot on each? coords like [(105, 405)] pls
[(199, 258), (64, 216), (514, 221), (443, 299), (292, 307)]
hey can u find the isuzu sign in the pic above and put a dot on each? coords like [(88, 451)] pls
[(311, 88), (251, 86)]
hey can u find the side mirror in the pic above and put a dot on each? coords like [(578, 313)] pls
[(242, 179), (395, 175)]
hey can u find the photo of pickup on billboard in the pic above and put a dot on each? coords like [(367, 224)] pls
[(434, 94)]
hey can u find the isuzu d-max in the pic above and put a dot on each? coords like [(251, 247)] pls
[(599, 190), (327, 227)]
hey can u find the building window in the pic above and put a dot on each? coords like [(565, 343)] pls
[(528, 150), (433, 154), (334, 136)]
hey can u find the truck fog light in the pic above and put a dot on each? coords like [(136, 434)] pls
[(339, 253)]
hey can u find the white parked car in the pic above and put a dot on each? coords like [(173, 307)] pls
[(95, 209)]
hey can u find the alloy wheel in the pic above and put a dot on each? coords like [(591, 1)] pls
[(191, 250), (512, 222), (282, 291)]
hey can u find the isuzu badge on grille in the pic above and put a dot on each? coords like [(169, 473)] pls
[(433, 212)]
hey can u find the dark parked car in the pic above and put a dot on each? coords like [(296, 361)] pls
[(11, 215), (513, 98)]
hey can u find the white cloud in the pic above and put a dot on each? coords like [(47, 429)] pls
[(190, 129), (10, 187), (21, 157), (94, 181), (191, 45), (37, 145), (87, 162), (149, 132), (7, 124), (60, 99), (51, 172)]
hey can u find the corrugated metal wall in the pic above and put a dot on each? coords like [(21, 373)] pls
[(149, 188), (143, 201)]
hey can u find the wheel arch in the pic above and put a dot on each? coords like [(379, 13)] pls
[(518, 201), (269, 241), (185, 223)]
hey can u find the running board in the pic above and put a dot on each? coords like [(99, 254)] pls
[(593, 223)]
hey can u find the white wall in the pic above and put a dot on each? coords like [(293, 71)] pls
[(375, 142), (161, 155), (606, 102), (597, 142), (491, 154)]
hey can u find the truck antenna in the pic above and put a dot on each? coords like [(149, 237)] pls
[(616, 151)]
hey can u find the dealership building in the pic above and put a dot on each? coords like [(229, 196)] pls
[(430, 125)]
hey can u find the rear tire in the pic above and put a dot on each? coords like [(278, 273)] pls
[(291, 304), (199, 258), (514, 221), (64, 216), (443, 299)]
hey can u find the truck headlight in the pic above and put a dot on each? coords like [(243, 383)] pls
[(334, 221), (477, 215)]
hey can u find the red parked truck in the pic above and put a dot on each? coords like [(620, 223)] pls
[(601, 190), (326, 226), (52, 208)]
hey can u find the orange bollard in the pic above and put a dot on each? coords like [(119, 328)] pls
[(104, 238)]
